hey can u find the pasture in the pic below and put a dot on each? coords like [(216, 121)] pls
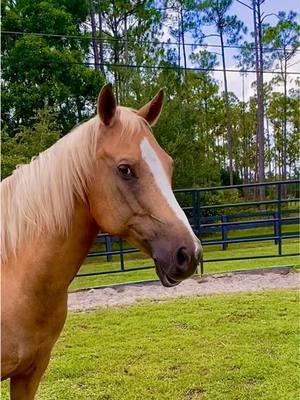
[(224, 347)]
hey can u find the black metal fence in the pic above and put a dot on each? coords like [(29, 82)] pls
[(210, 215)]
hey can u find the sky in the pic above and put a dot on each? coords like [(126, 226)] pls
[(235, 80), (269, 7)]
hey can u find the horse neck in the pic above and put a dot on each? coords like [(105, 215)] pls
[(51, 261)]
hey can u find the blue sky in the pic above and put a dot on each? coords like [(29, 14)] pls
[(243, 13), (270, 6)]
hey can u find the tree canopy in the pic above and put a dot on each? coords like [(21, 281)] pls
[(56, 55)]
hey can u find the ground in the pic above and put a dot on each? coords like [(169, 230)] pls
[(234, 346), (209, 284), (232, 336)]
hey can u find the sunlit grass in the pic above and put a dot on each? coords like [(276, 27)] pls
[(225, 347)]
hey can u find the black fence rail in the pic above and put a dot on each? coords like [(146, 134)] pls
[(278, 211)]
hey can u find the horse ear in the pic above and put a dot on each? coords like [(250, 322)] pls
[(107, 104), (151, 111)]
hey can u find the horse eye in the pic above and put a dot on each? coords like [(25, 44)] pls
[(125, 171)]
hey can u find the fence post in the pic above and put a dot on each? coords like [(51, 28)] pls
[(224, 218), (279, 219), (108, 248), (199, 228), (196, 223), (196, 204), (200, 267), (199, 212), (276, 226), (196, 211), (121, 254)]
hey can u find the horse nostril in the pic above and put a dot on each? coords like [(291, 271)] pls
[(182, 256)]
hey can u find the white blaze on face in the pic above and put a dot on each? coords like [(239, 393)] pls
[(162, 182)]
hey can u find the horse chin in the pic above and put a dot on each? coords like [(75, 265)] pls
[(166, 280)]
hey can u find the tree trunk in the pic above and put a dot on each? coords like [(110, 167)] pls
[(179, 39), (279, 164), (126, 56), (182, 39), (125, 39), (260, 96), (101, 52), (269, 149), (79, 108), (116, 58), (228, 115), (94, 33), (284, 147)]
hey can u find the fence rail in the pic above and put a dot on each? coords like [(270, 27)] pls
[(204, 225)]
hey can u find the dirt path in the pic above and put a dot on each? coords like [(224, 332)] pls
[(211, 284)]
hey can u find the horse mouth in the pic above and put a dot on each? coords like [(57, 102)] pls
[(165, 279)]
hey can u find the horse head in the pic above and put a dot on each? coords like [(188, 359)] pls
[(130, 192)]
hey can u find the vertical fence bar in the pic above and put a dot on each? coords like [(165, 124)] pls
[(276, 233), (108, 248), (224, 218), (121, 254), (194, 210), (200, 268), (198, 211), (197, 223), (198, 230), (279, 219)]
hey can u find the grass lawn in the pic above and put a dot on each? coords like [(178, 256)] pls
[(224, 347), (210, 252)]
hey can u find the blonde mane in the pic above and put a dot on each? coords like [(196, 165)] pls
[(39, 197)]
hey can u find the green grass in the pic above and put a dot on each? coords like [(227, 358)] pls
[(210, 252), (225, 347)]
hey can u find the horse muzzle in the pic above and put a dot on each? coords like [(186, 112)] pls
[(172, 267)]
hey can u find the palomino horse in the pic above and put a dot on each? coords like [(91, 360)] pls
[(108, 174)]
